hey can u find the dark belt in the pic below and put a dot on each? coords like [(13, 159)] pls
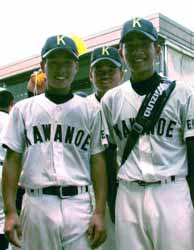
[(61, 191), (144, 183)]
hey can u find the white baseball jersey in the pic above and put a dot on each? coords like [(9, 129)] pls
[(161, 153), (56, 140), (3, 122), (94, 102)]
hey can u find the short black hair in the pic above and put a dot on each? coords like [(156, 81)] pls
[(6, 98)]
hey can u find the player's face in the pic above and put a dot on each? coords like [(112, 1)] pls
[(60, 69), (140, 54), (105, 75)]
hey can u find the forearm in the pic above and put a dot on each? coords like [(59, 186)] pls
[(99, 178), (190, 177), (10, 178)]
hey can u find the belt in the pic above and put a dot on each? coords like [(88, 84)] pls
[(165, 181), (60, 191)]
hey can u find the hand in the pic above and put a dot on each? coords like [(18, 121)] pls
[(97, 231), (12, 229)]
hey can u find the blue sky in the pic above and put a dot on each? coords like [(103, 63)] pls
[(25, 24)]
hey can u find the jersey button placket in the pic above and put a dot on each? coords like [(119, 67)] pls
[(57, 146)]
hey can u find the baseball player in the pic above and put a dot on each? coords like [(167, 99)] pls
[(106, 72), (154, 210), (55, 148), (6, 103)]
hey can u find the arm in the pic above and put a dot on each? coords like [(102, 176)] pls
[(11, 173), (190, 153), (112, 168), (96, 231), (111, 156)]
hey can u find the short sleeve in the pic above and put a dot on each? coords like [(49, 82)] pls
[(107, 122), (13, 134), (98, 138)]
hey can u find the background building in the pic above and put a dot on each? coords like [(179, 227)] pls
[(176, 60)]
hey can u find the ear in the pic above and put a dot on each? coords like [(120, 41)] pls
[(91, 76), (120, 50), (42, 66), (122, 74), (158, 49), (77, 67)]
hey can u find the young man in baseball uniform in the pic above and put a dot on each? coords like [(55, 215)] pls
[(55, 148), (106, 72), (154, 210), (6, 103)]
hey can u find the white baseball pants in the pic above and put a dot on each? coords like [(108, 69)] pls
[(51, 223), (155, 217)]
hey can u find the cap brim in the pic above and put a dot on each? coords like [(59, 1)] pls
[(152, 38), (48, 53), (118, 64), (2, 89)]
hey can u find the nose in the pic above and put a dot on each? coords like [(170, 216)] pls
[(138, 51), (105, 75), (60, 68)]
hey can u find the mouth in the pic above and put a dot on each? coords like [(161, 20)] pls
[(60, 78), (105, 79), (139, 60)]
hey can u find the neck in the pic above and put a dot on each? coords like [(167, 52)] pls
[(99, 94), (141, 76), (55, 91), (146, 86)]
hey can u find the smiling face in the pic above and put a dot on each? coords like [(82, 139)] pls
[(140, 53), (60, 68), (105, 75)]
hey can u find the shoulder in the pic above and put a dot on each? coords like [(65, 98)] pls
[(183, 90), (86, 109), (3, 119), (85, 105), (91, 97), (117, 92), (29, 100), (3, 115), (25, 103), (93, 102)]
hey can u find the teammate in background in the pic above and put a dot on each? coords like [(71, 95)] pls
[(6, 103), (153, 206), (106, 72), (55, 139)]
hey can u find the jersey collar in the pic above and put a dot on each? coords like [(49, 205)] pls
[(58, 99)]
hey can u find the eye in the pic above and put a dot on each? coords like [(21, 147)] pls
[(130, 46), (51, 62), (146, 44), (68, 62), (99, 72)]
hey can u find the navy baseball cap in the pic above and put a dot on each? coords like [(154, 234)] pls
[(139, 25), (106, 53), (59, 42), (4, 90)]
